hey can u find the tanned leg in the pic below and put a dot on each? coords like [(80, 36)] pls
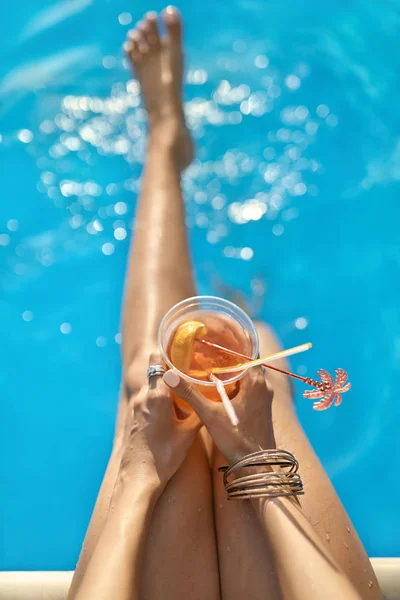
[(181, 549), (248, 560)]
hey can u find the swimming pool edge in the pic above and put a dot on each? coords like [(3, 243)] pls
[(54, 585)]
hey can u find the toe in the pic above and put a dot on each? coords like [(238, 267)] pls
[(173, 23), (131, 46), (153, 36), (141, 29), (128, 47)]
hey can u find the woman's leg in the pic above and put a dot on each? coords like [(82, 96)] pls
[(181, 549), (243, 562)]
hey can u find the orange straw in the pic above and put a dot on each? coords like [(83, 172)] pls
[(239, 355), (230, 410), (250, 363)]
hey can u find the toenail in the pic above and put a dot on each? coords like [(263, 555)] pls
[(171, 10)]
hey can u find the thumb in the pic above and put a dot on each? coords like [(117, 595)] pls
[(188, 392)]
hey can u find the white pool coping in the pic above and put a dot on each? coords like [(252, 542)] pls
[(54, 585)]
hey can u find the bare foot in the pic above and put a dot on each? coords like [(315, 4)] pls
[(158, 66)]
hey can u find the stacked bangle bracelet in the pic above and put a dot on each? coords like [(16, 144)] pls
[(267, 484)]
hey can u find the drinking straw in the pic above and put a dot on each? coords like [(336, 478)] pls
[(306, 380), (328, 390), (230, 411), (249, 363)]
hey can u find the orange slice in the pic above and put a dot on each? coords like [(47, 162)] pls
[(182, 344)]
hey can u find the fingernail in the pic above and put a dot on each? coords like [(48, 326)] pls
[(171, 379)]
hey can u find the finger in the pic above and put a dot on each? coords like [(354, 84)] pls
[(254, 382), (155, 382), (190, 394), (158, 399)]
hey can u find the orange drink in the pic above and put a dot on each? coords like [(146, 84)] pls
[(214, 320)]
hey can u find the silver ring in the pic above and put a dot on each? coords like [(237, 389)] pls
[(155, 370)]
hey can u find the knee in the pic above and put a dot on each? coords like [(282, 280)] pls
[(269, 342), (135, 373)]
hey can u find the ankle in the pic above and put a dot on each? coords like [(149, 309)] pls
[(169, 144), (165, 148), (164, 128)]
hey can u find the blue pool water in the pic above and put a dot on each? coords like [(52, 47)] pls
[(293, 201)]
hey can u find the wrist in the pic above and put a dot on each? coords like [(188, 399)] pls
[(269, 473), (130, 509), (146, 485), (245, 449)]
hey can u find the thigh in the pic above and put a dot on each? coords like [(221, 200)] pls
[(320, 502), (181, 548), (243, 556), (245, 562), (181, 557), (180, 553)]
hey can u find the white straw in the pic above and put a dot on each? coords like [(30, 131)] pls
[(230, 411), (265, 359)]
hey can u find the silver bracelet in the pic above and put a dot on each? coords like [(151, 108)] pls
[(267, 484)]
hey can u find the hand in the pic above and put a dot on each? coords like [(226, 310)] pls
[(157, 442), (253, 408)]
